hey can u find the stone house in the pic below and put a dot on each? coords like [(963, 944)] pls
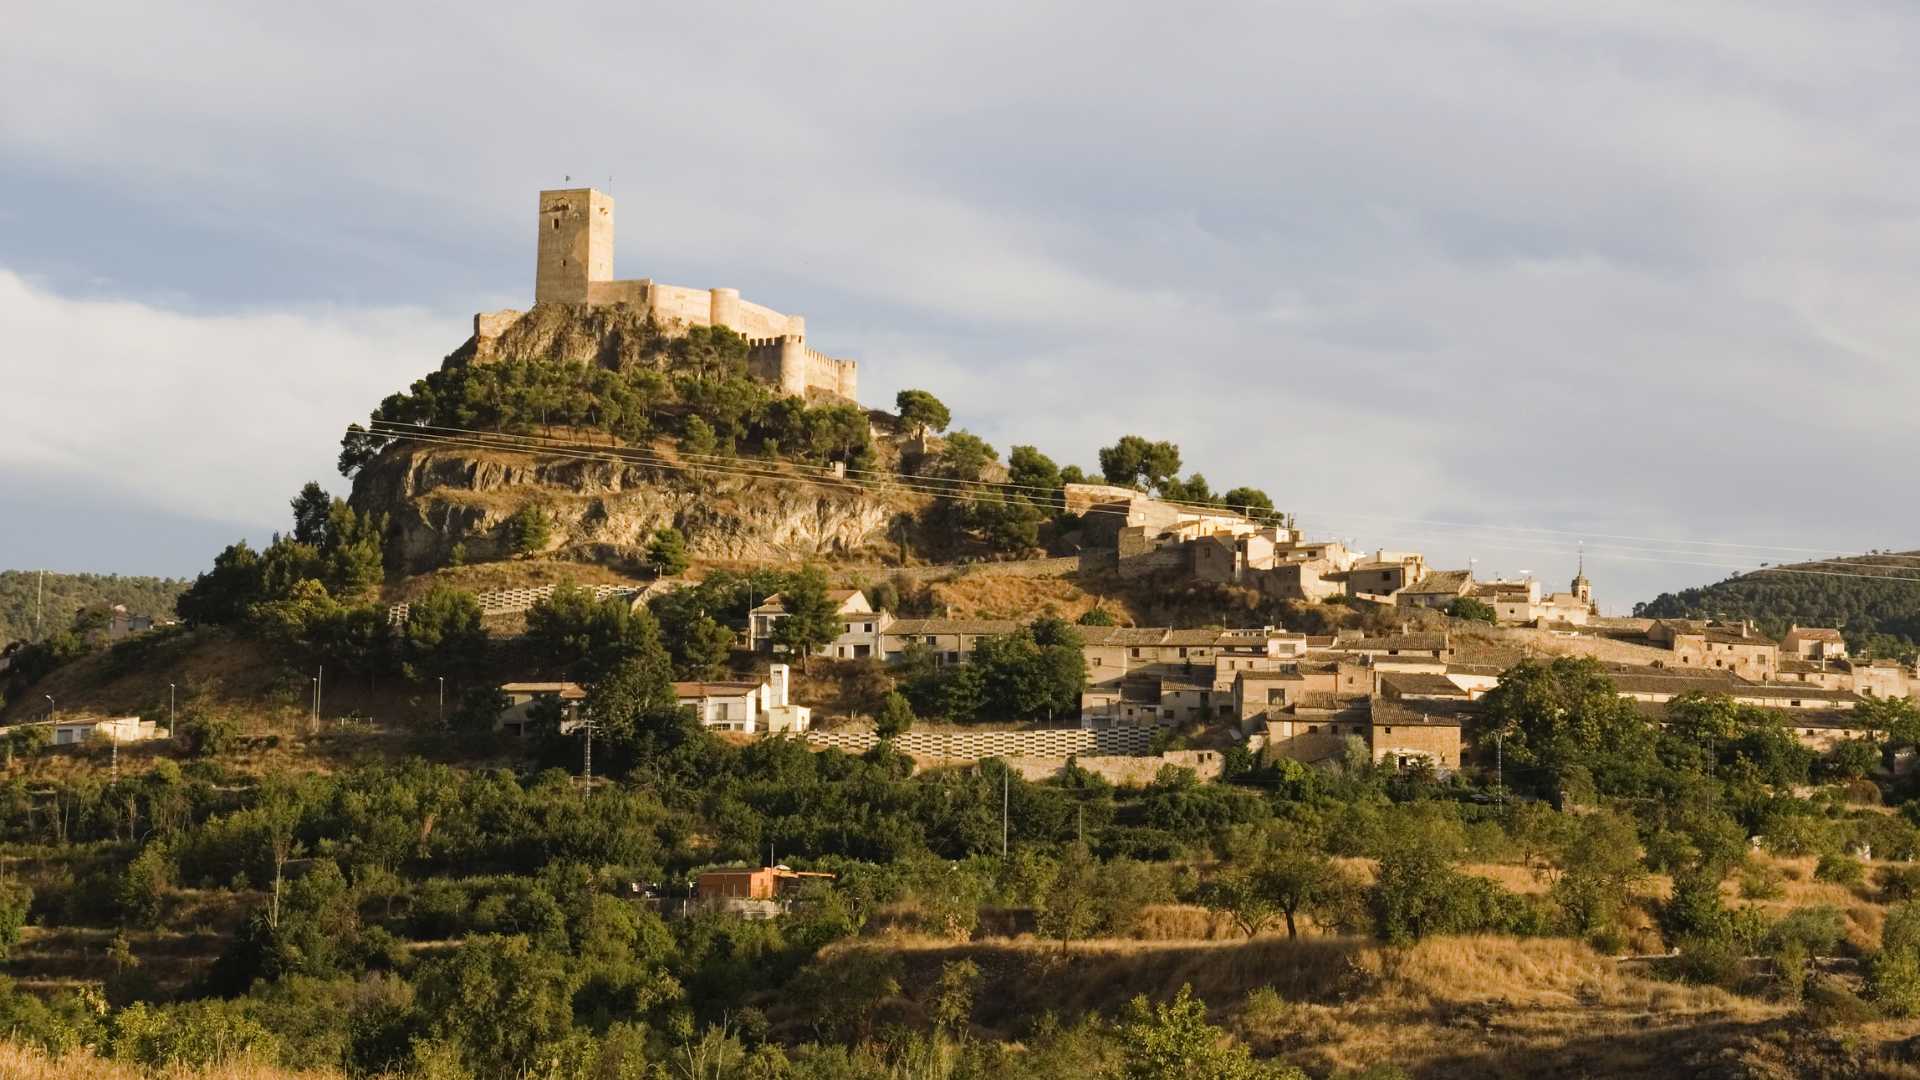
[(1437, 590), (951, 640), (1407, 734), (1813, 643), (1421, 686), (1734, 647), (1310, 580), (1386, 573)]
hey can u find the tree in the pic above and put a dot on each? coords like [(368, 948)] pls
[(443, 634), (1250, 501), (221, 596), (1070, 910), (1174, 1042), (1563, 718), (965, 456), (921, 411), (896, 716), (573, 634), (1471, 610), (1136, 462), (953, 996), (16, 897), (1271, 875), (668, 552), (499, 999), (1035, 473), (352, 554), (529, 530), (1096, 617), (812, 621), (1414, 889), (1598, 869), (312, 509)]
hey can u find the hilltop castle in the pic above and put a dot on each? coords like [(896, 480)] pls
[(576, 267)]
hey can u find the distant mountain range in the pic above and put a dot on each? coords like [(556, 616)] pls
[(1873, 599)]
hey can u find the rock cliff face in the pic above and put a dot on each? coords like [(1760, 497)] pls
[(435, 498)]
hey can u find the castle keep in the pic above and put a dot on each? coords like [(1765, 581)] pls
[(575, 266)]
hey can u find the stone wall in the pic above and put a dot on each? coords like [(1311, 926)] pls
[(970, 745), (1122, 769), (513, 601)]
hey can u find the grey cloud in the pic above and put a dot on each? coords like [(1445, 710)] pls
[(1632, 268)]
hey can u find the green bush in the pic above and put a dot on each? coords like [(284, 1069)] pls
[(1840, 870)]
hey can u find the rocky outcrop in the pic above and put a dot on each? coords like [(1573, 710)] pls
[(435, 498)]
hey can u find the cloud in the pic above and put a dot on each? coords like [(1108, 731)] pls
[(1638, 269), (219, 418)]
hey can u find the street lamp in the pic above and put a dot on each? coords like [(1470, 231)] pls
[(169, 710), (443, 700), (50, 706)]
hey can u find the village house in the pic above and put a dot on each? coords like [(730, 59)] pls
[(1438, 590), (848, 604), (118, 729), (1735, 647), (1394, 734), (1813, 643), (1386, 573), (752, 893), (516, 719), (950, 640), (748, 707)]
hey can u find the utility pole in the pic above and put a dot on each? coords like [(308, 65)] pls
[(586, 760), (1003, 811), (319, 688), (39, 605), (1499, 764), (169, 711), (113, 754)]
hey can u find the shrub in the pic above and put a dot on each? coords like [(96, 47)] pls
[(1840, 870), (1899, 883), (1710, 961), (1758, 881), (1893, 981), (529, 530)]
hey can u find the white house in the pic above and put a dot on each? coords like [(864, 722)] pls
[(846, 602), (747, 707), (522, 696), (120, 729)]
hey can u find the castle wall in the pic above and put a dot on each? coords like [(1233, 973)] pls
[(575, 266), (617, 292), (677, 303), (491, 324)]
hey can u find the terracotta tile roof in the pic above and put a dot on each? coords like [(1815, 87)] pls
[(1418, 713), (688, 690), (1816, 633), (1421, 684), (564, 689), (1440, 583), (923, 627)]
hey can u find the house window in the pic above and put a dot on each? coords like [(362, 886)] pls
[(1135, 652), (1183, 650), (1389, 731), (1313, 729)]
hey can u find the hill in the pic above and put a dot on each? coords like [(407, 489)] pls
[(21, 596), (1878, 612)]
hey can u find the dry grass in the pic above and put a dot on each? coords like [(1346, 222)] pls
[(1467, 1006), (21, 1063)]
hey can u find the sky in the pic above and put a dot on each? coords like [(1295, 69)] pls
[(1488, 280)]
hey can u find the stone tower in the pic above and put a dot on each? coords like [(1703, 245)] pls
[(1582, 588), (576, 244)]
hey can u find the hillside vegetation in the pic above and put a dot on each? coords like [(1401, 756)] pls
[(66, 594), (1879, 614)]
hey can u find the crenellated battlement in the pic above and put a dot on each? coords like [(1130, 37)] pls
[(575, 266)]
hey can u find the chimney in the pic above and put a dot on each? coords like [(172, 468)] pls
[(777, 682)]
